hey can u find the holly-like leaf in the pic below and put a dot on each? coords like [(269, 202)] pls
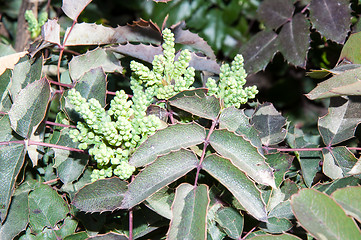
[(294, 40), (282, 210), (102, 195), (337, 162), (275, 13), (109, 236), (46, 208), (280, 163), (231, 221), (235, 120), (161, 202), (350, 50), (139, 51), (269, 123), (189, 212), (26, 71), (51, 31), (73, 8), (330, 187), (17, 218), (169, 139), (5, 82), (345, 83), (201, 63), (346, 198), (29, 107), (276, 225), (163, 171), (309, 160), (322, 217), (259, 51), (199, 104), (99, 57), (236, 181), (341, 121), (140, 31), (69, 165), (185, 37), (356, 169), (243, 155), (331, 18)]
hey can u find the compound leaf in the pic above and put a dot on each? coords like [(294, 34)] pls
[(243, 155), (73, 8), (189, 212), (337, 162), (102, 195), (350, 50), (169, 139), (163, 171), (285, 236), (322, 217), (231, 221), (280, 163), (331, 18), (236, 181)]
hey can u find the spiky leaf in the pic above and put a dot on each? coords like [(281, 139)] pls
[(237, 183), (337, 162), (171, 138), (163, 171), (275, 13)]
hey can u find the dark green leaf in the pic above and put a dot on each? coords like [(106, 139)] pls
[(163, 171), (350, 50), (17, 218), (242, 154), (285, 236), (139, 51), (275, 13), (102, 195), (320, 215), (235, 120), (259, 50), (109, 236), (309, 160), (6, 133), (294, 40), (77, 236), (269, 123), (68, 227), (337, 162), (345, 83), (276, 225), (5, 81), (29, 107), (161, 202), (341, 121), (200, 105), (11, 160), (280, 163), (99, 57), (169, 139), (282, 210), (331, 18), (25, 72), (238, 184), (231, 221), (329, 188), (46, 208), (347, 198), (189, 212), (186, 37)]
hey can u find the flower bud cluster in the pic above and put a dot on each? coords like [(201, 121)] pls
[(168, 77), (112, 135), (230, 85)]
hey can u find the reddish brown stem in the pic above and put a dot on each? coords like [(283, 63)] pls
[(51, 181), (59, 124), (245, 236)]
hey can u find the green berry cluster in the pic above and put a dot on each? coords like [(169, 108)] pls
[(168, 77), (112, 135), (34, 25), (230, 85)]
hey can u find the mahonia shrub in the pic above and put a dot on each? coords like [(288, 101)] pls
[(112, 136)]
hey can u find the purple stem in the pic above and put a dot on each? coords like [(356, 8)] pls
[(59, 124)]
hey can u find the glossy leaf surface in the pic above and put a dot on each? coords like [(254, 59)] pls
[(348, 199)]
